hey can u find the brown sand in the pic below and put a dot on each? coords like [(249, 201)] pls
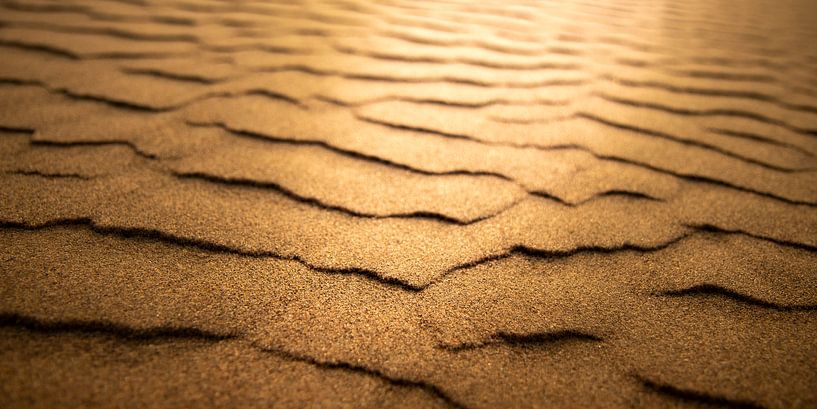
[(396, 204)]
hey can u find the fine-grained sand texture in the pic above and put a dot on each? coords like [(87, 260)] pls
[(442, 204)]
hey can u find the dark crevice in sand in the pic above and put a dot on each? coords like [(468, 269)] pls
[(143, 3), (743, 62), (303, 69), (107, 100), (760, 138), (600, 195), (11, 129), (128, 144), (626, 193), (425, 386), (548, 196), (172, 20), (19, 82), (716, 290), (268, 94), (135, 55), (135, 232), (346, 152), (535, 339), (329, 207), (137, 107), (465, 61), (385, 78), (467, 137), (440, 102), (708, 180), (418, 40), (127, 105), (708, 228), (558, 254), (707, 112), (691, 396), (55, 51), (170, 76), (387, 57), (550, 255), (726, 76), (437, 25), (13, 320), (472, 264), (106, 31), (45, 8), (757, 96), (257, 47), (40, 49), (518, 85), (49, 175), (689, 142), (146, 108)]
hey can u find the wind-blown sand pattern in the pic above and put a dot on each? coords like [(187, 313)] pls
[(443, 204)]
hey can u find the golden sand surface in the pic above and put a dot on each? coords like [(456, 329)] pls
[(372, 204)]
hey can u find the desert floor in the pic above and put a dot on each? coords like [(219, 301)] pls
[(245, 204)]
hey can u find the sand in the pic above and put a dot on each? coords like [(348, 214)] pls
[(397, 204)]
